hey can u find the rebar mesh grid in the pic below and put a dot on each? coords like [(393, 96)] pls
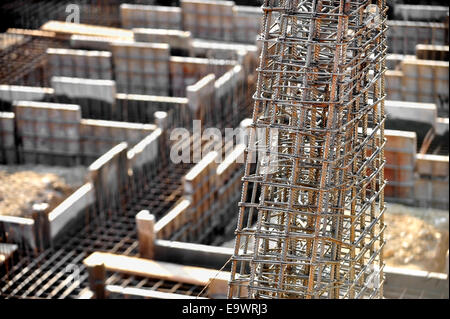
[(319, 201), (25, 63)]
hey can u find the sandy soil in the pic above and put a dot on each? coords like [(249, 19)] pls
[(416, 238), (22, 186)]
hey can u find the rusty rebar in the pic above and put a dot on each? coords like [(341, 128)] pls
[(311, 223)]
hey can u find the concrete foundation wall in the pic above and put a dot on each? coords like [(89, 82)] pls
[(55, 134), (409, 12), (214, 20), (422, 81), (141, 68), (400, 153), (80, 63), (7, 138), (403, 36), (146, 16), (432, 52)]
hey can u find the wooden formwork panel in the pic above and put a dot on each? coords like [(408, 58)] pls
[(228, 175), (411, 111), (102, 90), (217, 281), (185, 71), (141, 108), (148, 16), (70, 209), (408, 12), (403, 36), (201, 99), (141, 68), (7, 129), (400, 152), (48, 128), (432, 165), (108, 175), (20, 230), (404, 141), (425, 69), (176, 39), (432, 52), (11, 93), (431, 192), (80, 63), (174, 220), (420, 81), (229, 95), (98, 136), (199, 187), (7, 138), (208, 19), (247, 23)]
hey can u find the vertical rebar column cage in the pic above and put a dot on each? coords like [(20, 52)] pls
[(311, 226)]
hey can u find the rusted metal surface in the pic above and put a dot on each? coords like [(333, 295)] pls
[(311, 216)]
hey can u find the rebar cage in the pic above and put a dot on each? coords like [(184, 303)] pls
[(311, 226)]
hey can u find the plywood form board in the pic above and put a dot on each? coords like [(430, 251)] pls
[(108, 173), (432, 165), (403, 36), (208, 19), (146, 151), (103, 90), (149, 16), (247, 23), (70, 209), (48, 127), (174, 220), (80, 63), (98, 136), (201, 98), (432, 52), (141, 68), (67, 29), (7, 130), (176, 39), (141, 108)]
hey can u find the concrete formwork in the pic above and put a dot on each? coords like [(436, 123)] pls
[(147, 16), (432, 52), (419, 81), (403, 36), (408, 12), (114, 168), (80, 63)]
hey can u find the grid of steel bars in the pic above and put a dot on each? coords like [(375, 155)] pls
[(310, 220)]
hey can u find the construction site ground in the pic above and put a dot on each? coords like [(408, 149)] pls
[(22, 186)]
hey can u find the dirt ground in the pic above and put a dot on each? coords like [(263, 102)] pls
[(416, 238), (22, 186)]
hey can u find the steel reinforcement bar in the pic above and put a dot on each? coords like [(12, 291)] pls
[(317, 187)]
